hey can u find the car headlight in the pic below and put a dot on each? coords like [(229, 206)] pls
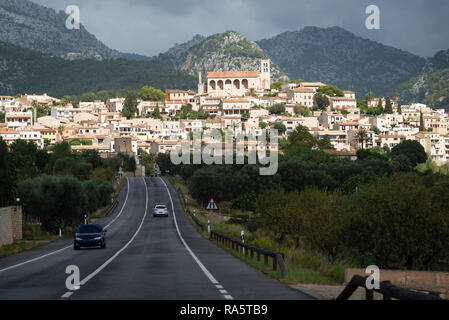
[(97, 238), (78, 238)]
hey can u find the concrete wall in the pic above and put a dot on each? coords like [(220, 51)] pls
[(417, 280), (10, 224)]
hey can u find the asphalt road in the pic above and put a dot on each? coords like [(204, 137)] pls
[(145, 258)]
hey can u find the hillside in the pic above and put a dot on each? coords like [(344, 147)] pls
[(431, 86), (28, 71), (228, 51), (334, 55), (33, 26)]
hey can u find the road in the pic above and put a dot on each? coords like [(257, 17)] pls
[(145, 258)]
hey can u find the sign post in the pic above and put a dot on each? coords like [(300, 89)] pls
[(212, 206)]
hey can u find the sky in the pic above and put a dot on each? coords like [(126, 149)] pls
[(149, 27)]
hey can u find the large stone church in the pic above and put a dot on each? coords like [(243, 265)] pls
[(236, 83)]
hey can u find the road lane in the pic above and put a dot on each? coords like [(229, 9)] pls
[(155, 266), (146, 258), (45, 278)]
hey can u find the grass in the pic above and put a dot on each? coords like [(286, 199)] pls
[(303, 266), (10, 249), (33, 236)]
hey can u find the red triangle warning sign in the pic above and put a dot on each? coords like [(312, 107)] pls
[(212, 205)]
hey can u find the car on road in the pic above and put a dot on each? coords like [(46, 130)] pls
[(90, 235), (160, 210)]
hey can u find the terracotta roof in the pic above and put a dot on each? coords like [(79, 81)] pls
[(303, 90), (234, 74)]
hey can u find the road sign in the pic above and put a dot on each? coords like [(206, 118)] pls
[(212, 205)]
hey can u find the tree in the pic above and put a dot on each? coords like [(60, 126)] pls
[(151, 94), (330, 90), (361, 136), (301, 137), (321, 101), (388, 106), (130, 105), (380, 107), (405, 224), (412, 149), (277, 85), (7, 181), (156, 114), (280, 127), (421, 122), (399, 107), (325, 143)]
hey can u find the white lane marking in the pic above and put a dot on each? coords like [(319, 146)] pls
[(35, 259), (65, 248), (228, 297), (67, 294), (98, 270), (219, 286), (200, 264), (223, 292)]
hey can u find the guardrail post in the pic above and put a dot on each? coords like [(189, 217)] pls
[(258, 255), (274, 263), (265, 262), (252, 253), (369, 294)]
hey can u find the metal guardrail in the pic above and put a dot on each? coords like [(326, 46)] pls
[(387, 290), (278, 258), (112, 207)]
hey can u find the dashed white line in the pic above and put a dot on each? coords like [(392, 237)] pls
[(67, 294), (65, 248), (200, 264)]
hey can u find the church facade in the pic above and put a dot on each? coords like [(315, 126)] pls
[(236, 83)]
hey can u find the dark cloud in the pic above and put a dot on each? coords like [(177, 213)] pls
[(152, 26)]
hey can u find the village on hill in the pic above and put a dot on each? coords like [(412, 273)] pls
[(243, 101)]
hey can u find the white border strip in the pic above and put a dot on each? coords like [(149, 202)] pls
[(200, 264)]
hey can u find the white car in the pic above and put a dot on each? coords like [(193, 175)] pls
[(160, 210)]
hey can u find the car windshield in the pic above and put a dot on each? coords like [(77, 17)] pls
[(160, 207), (89, 229)]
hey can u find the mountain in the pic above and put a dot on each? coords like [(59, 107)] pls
[(337, 56), (228, 51), (431, 86), (33, 26), (29, 71)]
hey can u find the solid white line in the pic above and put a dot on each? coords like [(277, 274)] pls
[(35, 259), (65, 248), (200, 264), (121, 210), (98, 270), (67, 294)]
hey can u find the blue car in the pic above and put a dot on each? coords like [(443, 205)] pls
[(90, 235)]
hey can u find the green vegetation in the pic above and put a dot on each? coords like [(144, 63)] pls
[(151, 94), (130, 106), (55, 185), (319, 206), (38, 72), (330, 90), (321, 101), (277, 108)]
